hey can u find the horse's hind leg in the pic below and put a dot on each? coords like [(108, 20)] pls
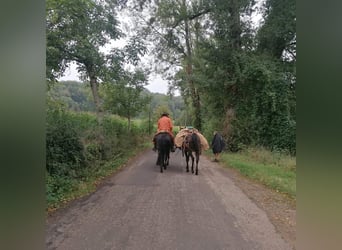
[(160, 162), (192, 163), (167, 158), (157, 160), (197, 159), (187, 162), (165, 161)]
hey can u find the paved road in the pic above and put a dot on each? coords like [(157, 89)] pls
[(141, 208)]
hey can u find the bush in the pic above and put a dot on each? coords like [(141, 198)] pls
[(77, 146), (64, 150)]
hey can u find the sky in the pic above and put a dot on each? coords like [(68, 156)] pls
[(156, 83)]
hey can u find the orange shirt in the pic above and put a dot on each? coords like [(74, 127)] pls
[(165, 123)]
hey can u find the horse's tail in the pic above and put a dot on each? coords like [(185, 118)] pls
[(196, 142)]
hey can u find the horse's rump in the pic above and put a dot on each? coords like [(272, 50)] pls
[(164, 143), (163, 140), (192, 143)]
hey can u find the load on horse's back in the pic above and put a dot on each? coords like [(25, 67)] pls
[(190, 140), (189, 130)]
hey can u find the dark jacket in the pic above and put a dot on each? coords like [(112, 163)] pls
[(217, 143)]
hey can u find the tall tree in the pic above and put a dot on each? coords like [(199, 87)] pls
[(76, 31), (248, 86), (245, 81), (278, 33), (171, 27), (125, 98), (221, 56)]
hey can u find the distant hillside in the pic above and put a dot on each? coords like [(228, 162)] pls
[(77, 97), (174, 103)]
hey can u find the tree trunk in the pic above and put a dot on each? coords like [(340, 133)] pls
[(94, 85), (197, 106), (193, 91), (235, 25), (94, 89), (129, 123)]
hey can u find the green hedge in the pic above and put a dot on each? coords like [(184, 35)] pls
[(77, 147)]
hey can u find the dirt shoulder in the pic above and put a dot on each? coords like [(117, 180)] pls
[(280, 208)]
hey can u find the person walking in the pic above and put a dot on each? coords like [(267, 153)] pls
[(217, 145)]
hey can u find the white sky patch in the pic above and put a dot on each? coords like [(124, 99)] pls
[(70, 73), (257, 13), (157, 85)]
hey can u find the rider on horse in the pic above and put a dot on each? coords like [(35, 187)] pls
[(164, 125)]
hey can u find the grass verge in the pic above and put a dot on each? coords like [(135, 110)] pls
[(273, 169)]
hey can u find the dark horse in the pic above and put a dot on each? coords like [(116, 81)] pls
[(191, 144), (164, 143)]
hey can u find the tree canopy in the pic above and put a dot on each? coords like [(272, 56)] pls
[(233, 76), (125, 98)]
